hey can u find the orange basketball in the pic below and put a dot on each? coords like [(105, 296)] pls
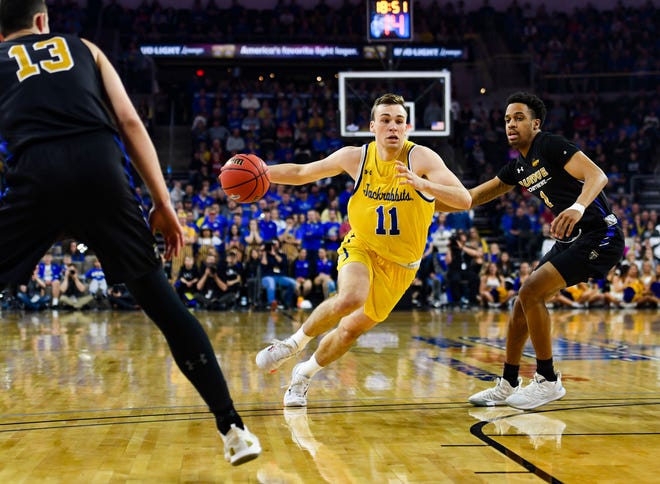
[(244, 178)]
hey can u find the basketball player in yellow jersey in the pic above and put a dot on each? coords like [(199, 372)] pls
[(390, 212)]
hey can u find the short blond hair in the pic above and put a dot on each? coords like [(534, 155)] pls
[(387, 100)]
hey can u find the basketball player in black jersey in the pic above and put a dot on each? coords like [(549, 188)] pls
[(589, 243), (64, 116)]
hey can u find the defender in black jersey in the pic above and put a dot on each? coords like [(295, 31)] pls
[(64, 116), (589, 243)]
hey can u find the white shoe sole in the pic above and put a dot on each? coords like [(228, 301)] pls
[(531, 406), (296, 404), (246, 456), (482, 403)]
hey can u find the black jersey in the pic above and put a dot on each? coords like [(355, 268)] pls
[(50, 88), (542, 173), (189, 274)]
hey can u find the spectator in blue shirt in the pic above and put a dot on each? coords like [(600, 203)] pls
[(325, 269), (51, 275), (216, 222), (319, 145), (267, 228), (331, 239), (301, 273), (334, 141), (303, 203), (311, 235), (203, 199), (72, 248), (96, 277), (234, 120), (287, 206), (344, 197), (253, 212), (317, 198), (459, 220)]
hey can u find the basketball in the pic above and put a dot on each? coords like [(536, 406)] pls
[(244, 178)]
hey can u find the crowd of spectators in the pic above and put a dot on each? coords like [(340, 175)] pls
[(461, 268), (567, 46), (622, 136), (272, 253), (564, 45), (288, 21), (248, 257)]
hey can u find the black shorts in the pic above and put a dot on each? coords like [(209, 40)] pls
[(591, 255), (76, 187)]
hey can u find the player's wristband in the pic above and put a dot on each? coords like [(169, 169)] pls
[(577, 206)]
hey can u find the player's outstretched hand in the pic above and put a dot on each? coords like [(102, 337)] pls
[(163, 219), (408, 177)]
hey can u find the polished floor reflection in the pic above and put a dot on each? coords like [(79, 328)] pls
[(96, 397)]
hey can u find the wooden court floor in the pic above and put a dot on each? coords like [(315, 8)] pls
[(96, 398)]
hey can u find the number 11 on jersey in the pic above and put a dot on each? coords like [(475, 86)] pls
[(394, 221)]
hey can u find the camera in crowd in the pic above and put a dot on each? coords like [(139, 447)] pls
[(455, 237)]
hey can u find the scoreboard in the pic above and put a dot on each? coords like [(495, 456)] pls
[(389, 20)]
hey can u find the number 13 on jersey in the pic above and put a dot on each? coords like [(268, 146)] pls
[(60, 60), (392, 222)]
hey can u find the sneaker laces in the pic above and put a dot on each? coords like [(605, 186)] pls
[(299, 385), (283, 348), (500, 390), (536, 385)]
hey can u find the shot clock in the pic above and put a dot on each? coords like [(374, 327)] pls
[(389, 19)]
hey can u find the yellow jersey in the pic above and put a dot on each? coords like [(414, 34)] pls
[(391, 219)]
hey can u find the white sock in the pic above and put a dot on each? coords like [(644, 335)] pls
[(310, 367), (55, 301), (301, 339)]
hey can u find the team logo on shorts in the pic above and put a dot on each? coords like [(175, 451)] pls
[(593, 255)]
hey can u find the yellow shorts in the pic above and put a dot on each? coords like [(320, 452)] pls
[(388, 280), (499, 293), (575, 292)]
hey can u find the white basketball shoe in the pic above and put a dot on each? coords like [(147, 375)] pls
[(496, 395)]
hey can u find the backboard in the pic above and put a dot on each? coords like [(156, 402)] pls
[(427, 95)]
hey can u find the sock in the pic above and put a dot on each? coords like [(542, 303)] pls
[(56, 301), (511, 374), (301, 339), (546, 370), (224, 420), (310, 367)]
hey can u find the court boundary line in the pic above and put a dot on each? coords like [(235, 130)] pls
[(477, 431)]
